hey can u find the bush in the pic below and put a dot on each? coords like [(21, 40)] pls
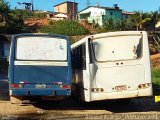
[(39, 15), (14, 29), (64, 27)]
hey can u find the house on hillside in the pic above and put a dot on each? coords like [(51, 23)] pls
[(98, 14), (60, 16), (127, 15), (57, 16), (69, 9), (5, 41)]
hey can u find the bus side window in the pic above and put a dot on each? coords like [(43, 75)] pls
[(80, 57), (84, 57), (139, 49), (73, 58), (76, 58)]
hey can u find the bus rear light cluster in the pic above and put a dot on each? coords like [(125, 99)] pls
[(16, 85), (65, 86), (97, 89), (143, 86), (23, 82), (57, 83)]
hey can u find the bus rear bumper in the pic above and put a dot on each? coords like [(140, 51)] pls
[(121, 95), (41, 92)]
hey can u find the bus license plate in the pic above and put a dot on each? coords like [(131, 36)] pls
[(41, 86), (121, 88)]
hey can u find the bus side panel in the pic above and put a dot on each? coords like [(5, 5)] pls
[(146, 59), (11, 62)]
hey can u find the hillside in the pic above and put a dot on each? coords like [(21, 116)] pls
[(35, 24)]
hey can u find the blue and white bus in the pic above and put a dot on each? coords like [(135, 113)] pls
[(39, 66)]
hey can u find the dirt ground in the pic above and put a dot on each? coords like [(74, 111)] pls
[(39, 22), (69, 109)]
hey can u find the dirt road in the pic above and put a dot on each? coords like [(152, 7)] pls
[(69, 109)]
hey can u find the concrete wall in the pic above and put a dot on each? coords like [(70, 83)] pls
[(61, 8)]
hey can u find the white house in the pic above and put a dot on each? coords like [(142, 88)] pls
[(92, 13), (99, 14), (127, 15)]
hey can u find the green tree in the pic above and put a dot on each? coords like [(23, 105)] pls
[(122, 25), (4, 11), (154, 18), (109, 25), (138, 19)]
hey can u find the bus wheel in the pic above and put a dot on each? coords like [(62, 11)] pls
[(16, 99), (123, 101)]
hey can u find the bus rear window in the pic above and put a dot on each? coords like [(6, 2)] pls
[(118, 48), (41, 48)]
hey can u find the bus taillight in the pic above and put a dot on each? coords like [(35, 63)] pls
[(65, 86), (23, 82), (57, 83), (16, 85), (143, 86)]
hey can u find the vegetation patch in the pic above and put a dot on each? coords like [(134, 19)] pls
[(64, 27), (156, 81), (11, 21), (25, 15)]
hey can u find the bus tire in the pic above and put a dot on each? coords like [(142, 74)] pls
[(16, 99), (82, 103)]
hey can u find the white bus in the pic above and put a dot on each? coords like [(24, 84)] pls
[(113, 65)]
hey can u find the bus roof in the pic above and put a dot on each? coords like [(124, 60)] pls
[(39, 34), (107, 34)]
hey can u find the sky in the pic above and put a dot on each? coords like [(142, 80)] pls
[(126, 5)]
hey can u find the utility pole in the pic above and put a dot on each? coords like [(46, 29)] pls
[(32, 5), (19, 4), (88, 3), (97, 4), (73, 14)]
